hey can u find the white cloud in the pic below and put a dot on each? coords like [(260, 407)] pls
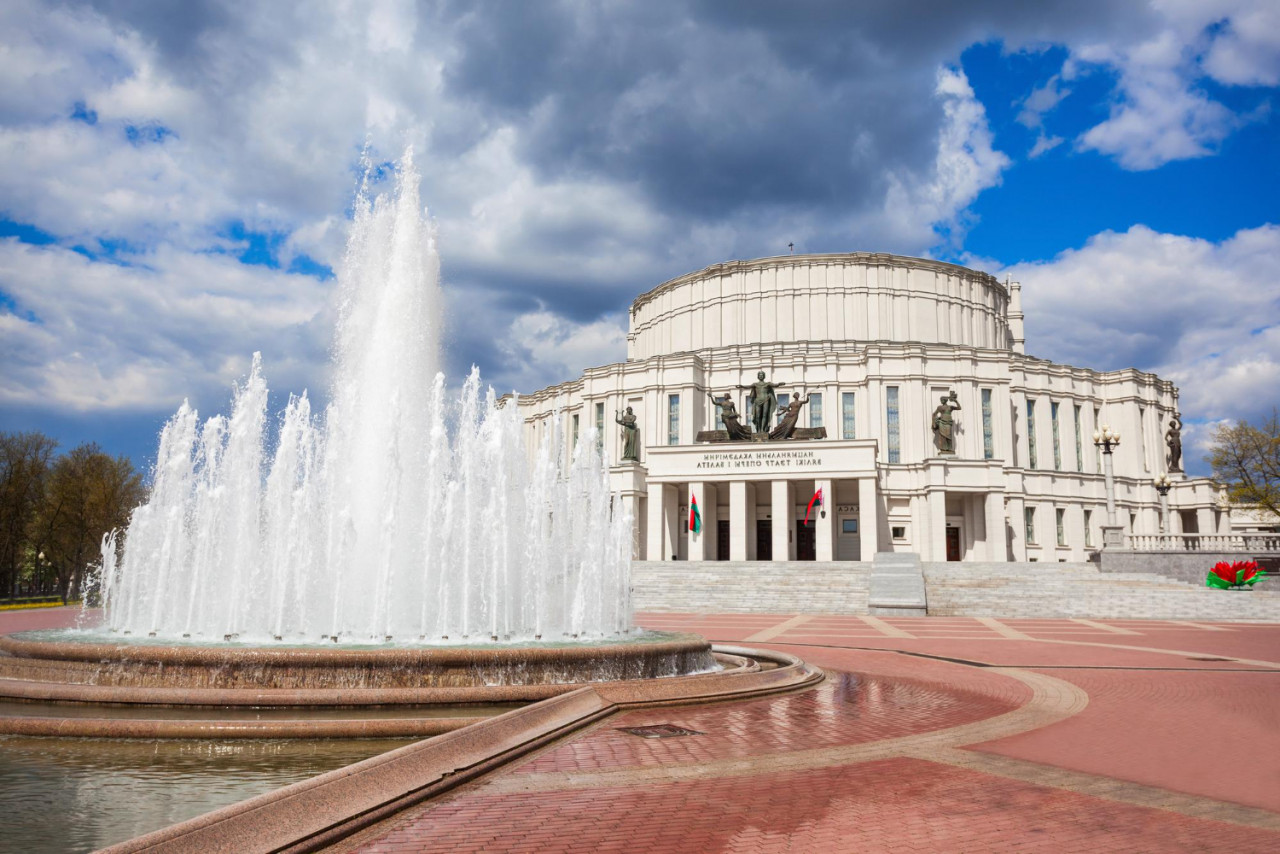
[(966, 164), (1161, 111), (1044, 144), (88, 336), (549, 349), (1205, 315)]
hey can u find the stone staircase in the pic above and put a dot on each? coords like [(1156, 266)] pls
[(793, 587), (1081, 590), (897, 586)]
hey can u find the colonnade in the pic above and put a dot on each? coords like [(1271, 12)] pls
[(745, 499)]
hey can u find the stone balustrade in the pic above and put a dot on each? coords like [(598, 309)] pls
[(1251, 543)]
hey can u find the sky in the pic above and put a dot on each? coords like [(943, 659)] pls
[(177, 179)]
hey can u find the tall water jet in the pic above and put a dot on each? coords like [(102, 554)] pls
[(400, 512)]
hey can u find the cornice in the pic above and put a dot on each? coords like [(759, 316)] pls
[(870, 259)]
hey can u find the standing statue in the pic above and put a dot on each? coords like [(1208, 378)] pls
[(729, 415), (1173, 438), (630, 435), (763, 400), (790, 416), (943, 424)]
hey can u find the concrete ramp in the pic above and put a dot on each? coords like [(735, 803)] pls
[(897, 586)]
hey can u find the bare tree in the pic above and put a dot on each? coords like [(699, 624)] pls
[(24, 468), (1246, 458)]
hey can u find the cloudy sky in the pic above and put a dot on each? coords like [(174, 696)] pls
[(176, 178)]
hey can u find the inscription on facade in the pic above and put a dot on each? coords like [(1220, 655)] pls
[(762, 459)]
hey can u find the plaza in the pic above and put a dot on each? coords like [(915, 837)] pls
[(927, 734)]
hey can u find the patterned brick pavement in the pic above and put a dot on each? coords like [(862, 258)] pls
[(891, 805), (1071, 735)]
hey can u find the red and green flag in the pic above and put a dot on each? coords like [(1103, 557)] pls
[(695, 518), (1239, 573), (816, 500)]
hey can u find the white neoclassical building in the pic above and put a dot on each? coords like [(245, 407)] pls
[(875, 342)]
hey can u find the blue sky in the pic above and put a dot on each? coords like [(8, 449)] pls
[(176, 180)]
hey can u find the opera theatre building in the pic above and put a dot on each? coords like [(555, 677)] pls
[(900, 390)]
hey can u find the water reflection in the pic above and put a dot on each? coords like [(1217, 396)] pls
[(73, 795)]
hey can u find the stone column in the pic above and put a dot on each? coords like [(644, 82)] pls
[(937, 526), (868, 517), (702, 546), (783, 512), (997, 541), (824, 525), (741, 504), (663, 536), (1205, 520)]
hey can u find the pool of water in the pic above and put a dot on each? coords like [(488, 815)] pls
[(75, 795)]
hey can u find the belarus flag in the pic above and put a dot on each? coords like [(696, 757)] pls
[(695, 518), (816, 499)]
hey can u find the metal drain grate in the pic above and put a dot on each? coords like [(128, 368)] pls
[(659, 731)]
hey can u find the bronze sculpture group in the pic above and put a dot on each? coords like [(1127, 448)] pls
[(762, 401)]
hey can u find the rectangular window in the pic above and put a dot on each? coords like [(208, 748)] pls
[(575, 429), (1097, 454), (898, 532), (1079, 443), (1060, 518), (1088, 528), (988, 430), (1032, 461), (600, 425), (891, 414), (1142, 434), (848, 526), (673, 419), (848, 421), (815, 409), (1030, 513), (783, 400), (1057, 435)]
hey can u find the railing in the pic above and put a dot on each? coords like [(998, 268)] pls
[(1204, 542)]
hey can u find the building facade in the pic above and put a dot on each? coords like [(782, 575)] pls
[(875, 343)]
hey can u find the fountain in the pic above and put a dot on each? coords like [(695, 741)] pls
[(401, 548)]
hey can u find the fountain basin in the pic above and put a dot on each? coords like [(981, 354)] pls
[(34, 657)]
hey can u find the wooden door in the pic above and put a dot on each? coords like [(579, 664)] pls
[(722, 539), (806, 542), (953, 543), (764, 539)]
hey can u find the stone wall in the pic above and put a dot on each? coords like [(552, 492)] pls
[(1188, 566)]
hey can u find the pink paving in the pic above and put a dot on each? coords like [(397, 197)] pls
[(1165, 738)]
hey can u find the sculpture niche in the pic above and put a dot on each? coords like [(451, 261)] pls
[(762, 400), (943, 424), (630, 435), (1173, 438)]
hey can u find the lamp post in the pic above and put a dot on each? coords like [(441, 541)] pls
[(1108, 440), (1163, 485)]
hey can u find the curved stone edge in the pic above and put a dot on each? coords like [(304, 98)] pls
[(77, 692), (314, 813), (234, 729), (161, 653)]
